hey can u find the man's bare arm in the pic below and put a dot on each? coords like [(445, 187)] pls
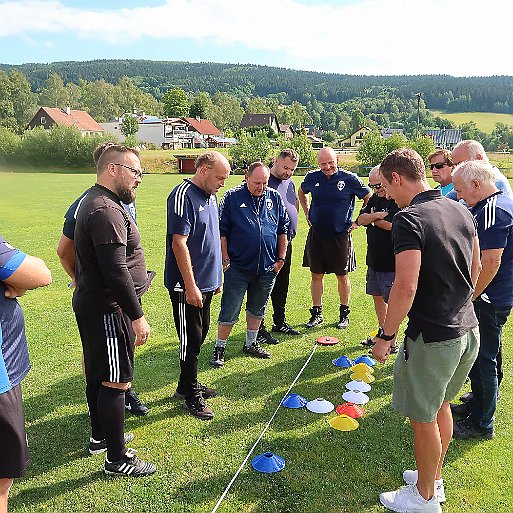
[(66, 254)]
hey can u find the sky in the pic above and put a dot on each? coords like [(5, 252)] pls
[(362, 37)]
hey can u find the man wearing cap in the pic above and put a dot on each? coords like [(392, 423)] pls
[(475, 183), (328, 247), (437, 265)]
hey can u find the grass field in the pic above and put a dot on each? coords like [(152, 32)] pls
[(326, 471), (485, 121)]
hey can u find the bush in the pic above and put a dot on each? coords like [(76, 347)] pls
[(9, 144)]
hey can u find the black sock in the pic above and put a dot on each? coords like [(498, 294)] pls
[(111, 410), (92, 391), (344, 310)]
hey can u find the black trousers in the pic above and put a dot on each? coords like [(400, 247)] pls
[(192, 326), (281, 288)]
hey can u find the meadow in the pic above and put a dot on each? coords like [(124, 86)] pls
[(485, 121), (326, 471)]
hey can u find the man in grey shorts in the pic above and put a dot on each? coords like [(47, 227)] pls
[(437, 265)]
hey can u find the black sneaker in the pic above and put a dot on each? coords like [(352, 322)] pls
[(205, 391), (256, 351), (196, 406), (101, 446), (129, 465), (465, 430), (134, 405), (264, 337), (466, 397), (343, 322), (285, 328), (460, 409), (316, 319), (217, 359)]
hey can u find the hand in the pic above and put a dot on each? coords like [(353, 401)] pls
[(13, 292), (381, 349), (353, 227), (380, 215), (219, 290), (226, 264), (142, 330), (278, 265), (193, 296)]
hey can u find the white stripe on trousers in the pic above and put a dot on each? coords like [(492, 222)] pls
[(182, 323), (112, 347)]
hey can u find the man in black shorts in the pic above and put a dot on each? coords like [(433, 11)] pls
[(18, 273), (328, 246), (66, 254), (111, 277)]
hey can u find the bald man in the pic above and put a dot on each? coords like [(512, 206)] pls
[(328, 246)]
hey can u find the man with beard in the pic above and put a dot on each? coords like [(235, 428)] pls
[(66, 254), (111, 277)]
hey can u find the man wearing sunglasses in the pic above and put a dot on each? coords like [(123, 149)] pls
[(377, 217), (66, 254), (440, 162)]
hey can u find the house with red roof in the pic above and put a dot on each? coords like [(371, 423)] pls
[(49, 116)]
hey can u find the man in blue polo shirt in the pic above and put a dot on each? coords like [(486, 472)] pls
[(474, 182), (253, 225), (18, 273), (193, 270), (328, 246)]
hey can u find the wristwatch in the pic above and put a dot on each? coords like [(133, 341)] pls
[(278, 259), (382, 336)]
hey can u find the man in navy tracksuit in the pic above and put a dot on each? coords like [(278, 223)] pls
[(253, 226)]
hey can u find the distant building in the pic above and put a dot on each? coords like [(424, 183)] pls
[(356, 138), (287, 131), (444, 138), (271, 120), (50, 116), (387, 132)]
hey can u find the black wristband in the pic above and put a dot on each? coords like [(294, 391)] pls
[(382, 336), (278, 259)]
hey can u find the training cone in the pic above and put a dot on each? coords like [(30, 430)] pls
[(373, 333), (362, 367), (327, 341), (364, 376), (358, 384), (320, 405), (365, 359), (351, 410), (355, 396), (268, 463), (294, 401), (343, 423), (343, 361)]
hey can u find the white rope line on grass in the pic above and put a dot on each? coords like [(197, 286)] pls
[(227, 489)]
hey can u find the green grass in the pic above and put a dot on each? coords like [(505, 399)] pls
[(326, 471), (485, 121)]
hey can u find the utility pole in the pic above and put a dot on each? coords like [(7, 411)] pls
[(419, 96)]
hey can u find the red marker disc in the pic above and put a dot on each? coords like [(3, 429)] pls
[(327, 341)]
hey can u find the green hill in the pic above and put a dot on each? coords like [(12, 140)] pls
[(485, 121)]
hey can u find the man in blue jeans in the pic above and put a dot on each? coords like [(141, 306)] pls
[(474, 182), (253, 224)]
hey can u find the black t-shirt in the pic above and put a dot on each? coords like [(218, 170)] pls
[(443, 230), (111, 270), (380, 249)]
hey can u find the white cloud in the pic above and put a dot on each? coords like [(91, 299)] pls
[(366, 36)]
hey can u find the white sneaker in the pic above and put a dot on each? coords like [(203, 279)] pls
[(411, 476), (408, 500)]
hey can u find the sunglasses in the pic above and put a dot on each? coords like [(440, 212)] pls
[(438, 165), (135, 172), (375, 186)]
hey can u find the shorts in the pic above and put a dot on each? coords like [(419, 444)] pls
[(379, 283), (236, 283), (108, 344), (13, 437), (426, 375), (332, 254)]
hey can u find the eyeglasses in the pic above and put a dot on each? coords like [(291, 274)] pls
[(136, 172), (375, 186), (438, 165)]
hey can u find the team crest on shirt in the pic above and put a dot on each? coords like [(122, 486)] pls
[(341, 184), (269, 203)]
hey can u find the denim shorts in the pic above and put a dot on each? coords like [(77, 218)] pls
[(379, 283), (428, 374), (235, 285)]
